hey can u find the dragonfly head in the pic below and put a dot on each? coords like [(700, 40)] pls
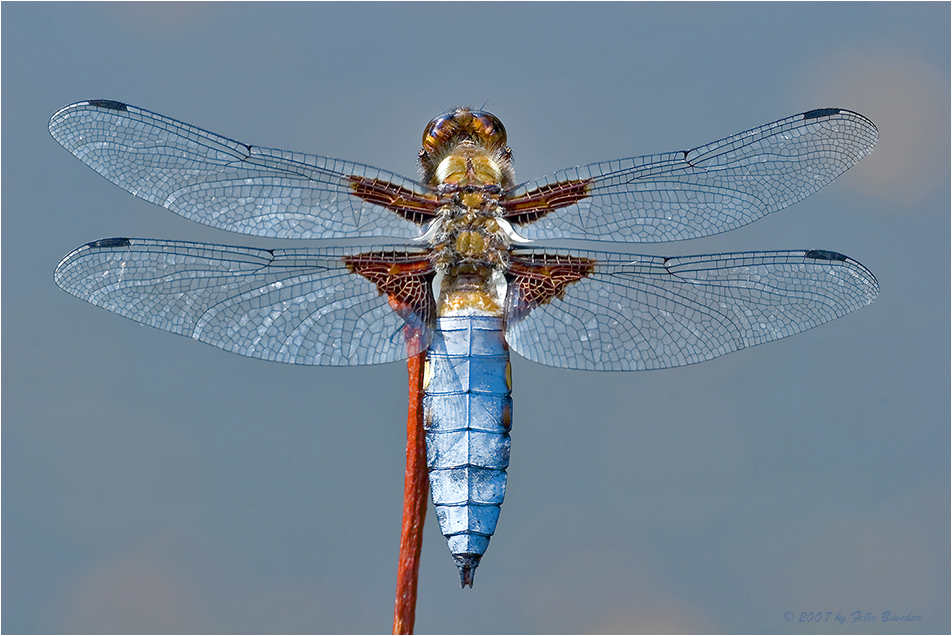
[(468, 131)]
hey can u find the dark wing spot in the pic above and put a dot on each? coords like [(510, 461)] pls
[(413, 206), (405, 278), (820, 112), (107, 103), (537, 279), (535, 204), (824, 255), (110, 242)]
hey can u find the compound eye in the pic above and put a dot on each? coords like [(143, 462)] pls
[(489, 128), (438, 131)]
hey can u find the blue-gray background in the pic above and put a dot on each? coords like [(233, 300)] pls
[(155, 484)]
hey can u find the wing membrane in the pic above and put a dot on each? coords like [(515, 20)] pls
[(710, 189), (224, 183), (301, 306), (636, 312)]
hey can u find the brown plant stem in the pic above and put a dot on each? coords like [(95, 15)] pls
[(416, 486)]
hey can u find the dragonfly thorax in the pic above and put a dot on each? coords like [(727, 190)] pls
[(471, 251), (472, 235), (466, 160), (470, 178)]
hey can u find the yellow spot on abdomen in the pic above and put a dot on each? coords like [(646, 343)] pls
[(427, 374)]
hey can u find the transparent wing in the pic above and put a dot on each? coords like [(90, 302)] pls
[(645, 312), (224, 183), (301, 306), (711, 189)]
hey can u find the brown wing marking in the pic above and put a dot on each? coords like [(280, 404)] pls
[(533, 205), (404, 278), (537, 279), (414, 207)]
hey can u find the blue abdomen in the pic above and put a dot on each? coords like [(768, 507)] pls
[(468, 410)]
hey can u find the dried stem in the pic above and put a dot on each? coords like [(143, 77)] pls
[(416, 486)]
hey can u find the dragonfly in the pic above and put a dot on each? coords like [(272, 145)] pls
[(455, 264)]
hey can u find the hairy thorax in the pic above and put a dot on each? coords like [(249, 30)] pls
[(466, 160)]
